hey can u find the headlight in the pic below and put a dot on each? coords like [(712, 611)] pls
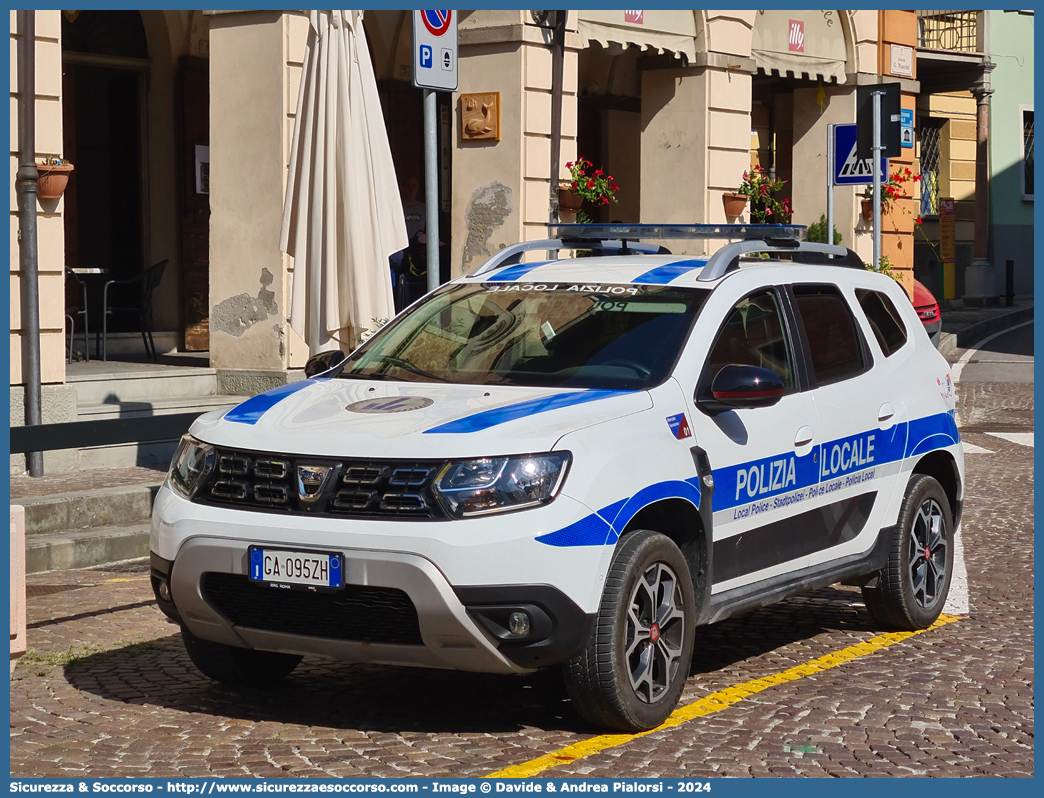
[(497, 484), (191, 466)]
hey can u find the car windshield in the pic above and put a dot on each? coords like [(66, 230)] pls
[(556, 334)]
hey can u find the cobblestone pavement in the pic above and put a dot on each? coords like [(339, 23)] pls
[(108, 690)]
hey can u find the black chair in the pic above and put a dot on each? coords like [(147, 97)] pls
[(150, 278), (71, 313)]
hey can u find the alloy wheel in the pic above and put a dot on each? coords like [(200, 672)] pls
[(928, 554), (655, 632)]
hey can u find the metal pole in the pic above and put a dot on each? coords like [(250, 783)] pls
[(876, 165), (431, 187), (830, 185), (557, 73), (27, 251)]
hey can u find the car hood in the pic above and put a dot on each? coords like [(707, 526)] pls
[(339, 417)]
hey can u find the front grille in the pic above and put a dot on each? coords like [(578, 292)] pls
[(392, 489), (371, 614)]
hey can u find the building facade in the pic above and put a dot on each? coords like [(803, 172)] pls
[(180, 125)]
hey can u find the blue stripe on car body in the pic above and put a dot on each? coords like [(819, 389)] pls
[(604, 527), (787, 472), (502, 415), (903, 440), (662, 275), (250, 411), (512, 273)]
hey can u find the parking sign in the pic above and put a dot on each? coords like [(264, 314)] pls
[(849, 170), (435, 50)]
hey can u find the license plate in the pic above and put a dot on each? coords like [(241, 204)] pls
[(305, 568)]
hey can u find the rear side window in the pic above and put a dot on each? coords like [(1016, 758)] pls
[(884, 320), (833, 340)]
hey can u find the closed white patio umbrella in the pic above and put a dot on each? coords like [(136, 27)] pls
[(342, 217)]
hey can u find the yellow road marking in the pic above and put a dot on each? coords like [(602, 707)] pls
[(714, 702), (130, 579)]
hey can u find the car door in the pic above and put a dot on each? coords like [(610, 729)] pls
[(861, 415), (761, 458)]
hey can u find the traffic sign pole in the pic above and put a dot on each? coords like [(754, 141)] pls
[(431, 188), (877, 148), (830, 184), (434, 69)]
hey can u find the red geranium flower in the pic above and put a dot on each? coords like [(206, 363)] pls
[(599, 173), (590, 184)]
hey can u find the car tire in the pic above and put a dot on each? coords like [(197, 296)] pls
[(912, 588), (238, 666), (634, 668)]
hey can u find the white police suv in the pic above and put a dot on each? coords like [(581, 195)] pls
[(574, 462)]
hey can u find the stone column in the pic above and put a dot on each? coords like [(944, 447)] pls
[(253, 94), (695, 141), (979, 283)]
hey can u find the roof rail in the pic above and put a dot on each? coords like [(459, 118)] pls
[(636, 232), (509, 256), (728, 256)]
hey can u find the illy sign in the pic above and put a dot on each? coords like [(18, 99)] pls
[(637, 17), (797, 36)]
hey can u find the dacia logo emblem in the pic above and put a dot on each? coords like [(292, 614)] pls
[(311, 480)]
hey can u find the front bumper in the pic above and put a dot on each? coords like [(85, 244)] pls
[(435, 622)]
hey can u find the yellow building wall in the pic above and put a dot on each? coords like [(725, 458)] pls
[(50, 232)]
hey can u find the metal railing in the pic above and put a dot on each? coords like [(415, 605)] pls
[(950, 31)]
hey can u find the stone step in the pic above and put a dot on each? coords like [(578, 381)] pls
[(156, 407), (114, 383), (97, 507), (154, 454), (82, 548)]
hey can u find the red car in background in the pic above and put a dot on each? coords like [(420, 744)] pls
[(928, 311)]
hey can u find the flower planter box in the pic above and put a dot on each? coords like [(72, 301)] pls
[(734, 204), (53, 180), (567, 200)]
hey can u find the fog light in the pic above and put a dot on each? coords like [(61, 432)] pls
[(518, 623), (164, 590)]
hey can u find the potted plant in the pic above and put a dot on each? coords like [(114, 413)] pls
[(891, 190), (586, 185), (761, 189), (734, 203), (54, 177)]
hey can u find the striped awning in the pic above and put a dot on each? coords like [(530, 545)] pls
[(800, 44), (663, 31)]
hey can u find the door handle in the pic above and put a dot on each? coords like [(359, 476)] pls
[(804, 437), (886, 412)]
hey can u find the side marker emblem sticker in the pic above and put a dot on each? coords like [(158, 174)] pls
[(679, 426)]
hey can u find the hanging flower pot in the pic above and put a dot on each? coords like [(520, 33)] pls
[(53, 179), (567, 200), (868, 209), (734, 204)]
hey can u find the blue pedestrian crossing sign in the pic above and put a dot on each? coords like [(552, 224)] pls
[(435, 50), (848, 169)]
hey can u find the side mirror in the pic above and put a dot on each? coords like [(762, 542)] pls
[(325, 364), (744, 386)]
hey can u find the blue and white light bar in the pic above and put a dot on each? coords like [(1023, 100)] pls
[(637, 232)]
